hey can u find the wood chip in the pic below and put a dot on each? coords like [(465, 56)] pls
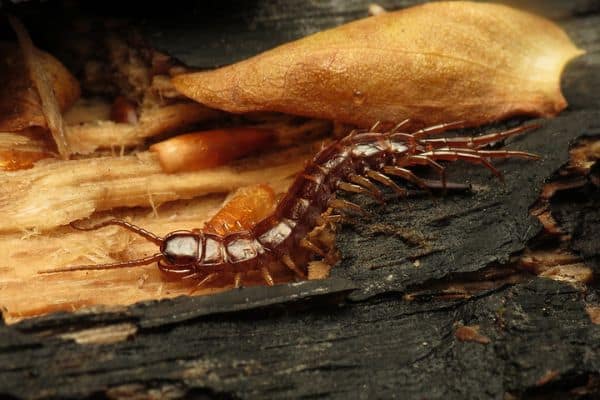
[(91, 136), (466, 333), (55, 193), (548, 377), (594, 312), (102, 335)]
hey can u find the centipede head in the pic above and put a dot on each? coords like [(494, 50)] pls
[(177, 249)]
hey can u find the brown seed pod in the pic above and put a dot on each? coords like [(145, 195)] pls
[(206, 149), (434, 63)]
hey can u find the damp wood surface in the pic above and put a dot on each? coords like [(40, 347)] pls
[(428, 301)]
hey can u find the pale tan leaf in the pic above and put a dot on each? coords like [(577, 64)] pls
[(434, 63)]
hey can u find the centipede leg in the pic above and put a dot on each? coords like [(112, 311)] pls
[(203, 282), (432, 130), (237, 280), (374, 127), (190, 275), (173, 272), (367, 184), (267, 276), (431, 184), (289, 263), (308, 245), (475, 142), (340, 204), (500, 153), (406, 175), (399, 126), (352, 188), (422, 159), (333, 219), (207, 279), (387, 181), (405, 138), (453, 186), (181, 274), (474, 158)]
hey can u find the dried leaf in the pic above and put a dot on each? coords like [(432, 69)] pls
[(434, 63), (20, 106), (42, 79)]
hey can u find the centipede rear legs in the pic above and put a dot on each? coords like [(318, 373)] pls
[(424, 151), (468, 149)]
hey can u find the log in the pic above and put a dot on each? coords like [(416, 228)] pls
[(429, 300)]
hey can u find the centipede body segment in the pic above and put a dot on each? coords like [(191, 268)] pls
[(355, 163)]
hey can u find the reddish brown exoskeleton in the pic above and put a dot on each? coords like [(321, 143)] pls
[(351, 164)]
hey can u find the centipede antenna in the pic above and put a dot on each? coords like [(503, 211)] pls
[(122, 264), (119, 222)]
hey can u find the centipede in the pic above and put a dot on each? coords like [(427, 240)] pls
[(360, 162)]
